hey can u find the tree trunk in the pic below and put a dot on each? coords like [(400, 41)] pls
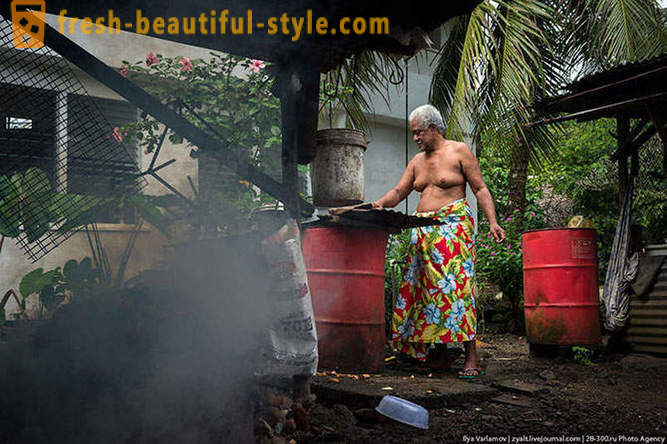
[(518, 178), (517, 200)]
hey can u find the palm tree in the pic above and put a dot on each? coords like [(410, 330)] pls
[(508, 53)]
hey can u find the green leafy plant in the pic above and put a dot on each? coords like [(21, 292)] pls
[(582, 355), (53, 286), (28, 203), (229, 97), (395, 264), (501, 263), (226, 95)]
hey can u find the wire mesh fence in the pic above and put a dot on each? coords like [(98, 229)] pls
[(650, 192), (62, 163)]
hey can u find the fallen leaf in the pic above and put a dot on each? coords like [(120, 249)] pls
[(366, 376), (387, 388), (335, 380)]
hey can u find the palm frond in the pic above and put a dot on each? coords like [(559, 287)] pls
[(365, 76), (502, 70), (626, 31), (447, 62), (477, 64)]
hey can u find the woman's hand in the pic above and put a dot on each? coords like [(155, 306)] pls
[(497, 232)]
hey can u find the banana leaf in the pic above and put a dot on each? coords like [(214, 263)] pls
[(9, 208), (150, 213)]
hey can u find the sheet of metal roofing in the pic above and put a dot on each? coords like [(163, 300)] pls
[(648, 314)]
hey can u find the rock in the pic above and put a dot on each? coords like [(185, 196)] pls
[(547, 375), (300, 416), (344, 416), (638, 361), (336, 418), (519, 387), (318, 415)]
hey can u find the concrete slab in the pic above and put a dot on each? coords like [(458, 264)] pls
[(436, 392)]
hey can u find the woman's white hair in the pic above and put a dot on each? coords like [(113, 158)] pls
[(426, 115)]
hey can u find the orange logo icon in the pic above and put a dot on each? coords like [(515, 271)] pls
[(28, 23)]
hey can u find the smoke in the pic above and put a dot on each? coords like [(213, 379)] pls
[(170, 359)]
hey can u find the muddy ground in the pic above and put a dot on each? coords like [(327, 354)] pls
[(620, 398)]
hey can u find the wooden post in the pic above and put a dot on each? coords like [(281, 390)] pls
[(292, 86), (299, 90)]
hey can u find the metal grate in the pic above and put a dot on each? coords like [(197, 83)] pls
[(650, 191), (60, 164)]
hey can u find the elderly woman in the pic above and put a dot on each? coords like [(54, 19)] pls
[(436, 302)]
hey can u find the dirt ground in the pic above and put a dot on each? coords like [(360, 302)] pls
[(620, 398)]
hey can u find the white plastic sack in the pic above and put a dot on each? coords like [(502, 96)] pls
[(292, 345)]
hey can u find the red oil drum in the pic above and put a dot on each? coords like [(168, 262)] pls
[(346, 278), (560, 282)]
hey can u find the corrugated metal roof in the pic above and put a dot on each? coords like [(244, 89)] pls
[(618, 72), (625, 87)]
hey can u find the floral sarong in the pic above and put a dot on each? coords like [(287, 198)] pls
[(436, 300)]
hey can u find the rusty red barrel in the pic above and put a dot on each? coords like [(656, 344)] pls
[(346, 278), (560, 282)]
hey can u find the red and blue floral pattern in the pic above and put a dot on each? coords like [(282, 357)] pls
[(436, 301)]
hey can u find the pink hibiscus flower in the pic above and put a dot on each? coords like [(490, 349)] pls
[(152, 59), (185, 64), (256, 65), (123, 70), (117, 135)]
